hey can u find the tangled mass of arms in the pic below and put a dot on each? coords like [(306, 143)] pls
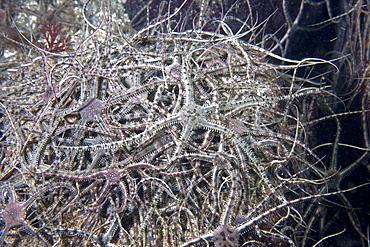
[(182, 125)]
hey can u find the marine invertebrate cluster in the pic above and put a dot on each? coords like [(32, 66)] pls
[(161, 137)]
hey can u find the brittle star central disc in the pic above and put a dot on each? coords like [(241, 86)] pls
[(193, 115)]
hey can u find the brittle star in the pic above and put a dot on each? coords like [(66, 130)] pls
[(112, 176), (193, 116), (14, 214)]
